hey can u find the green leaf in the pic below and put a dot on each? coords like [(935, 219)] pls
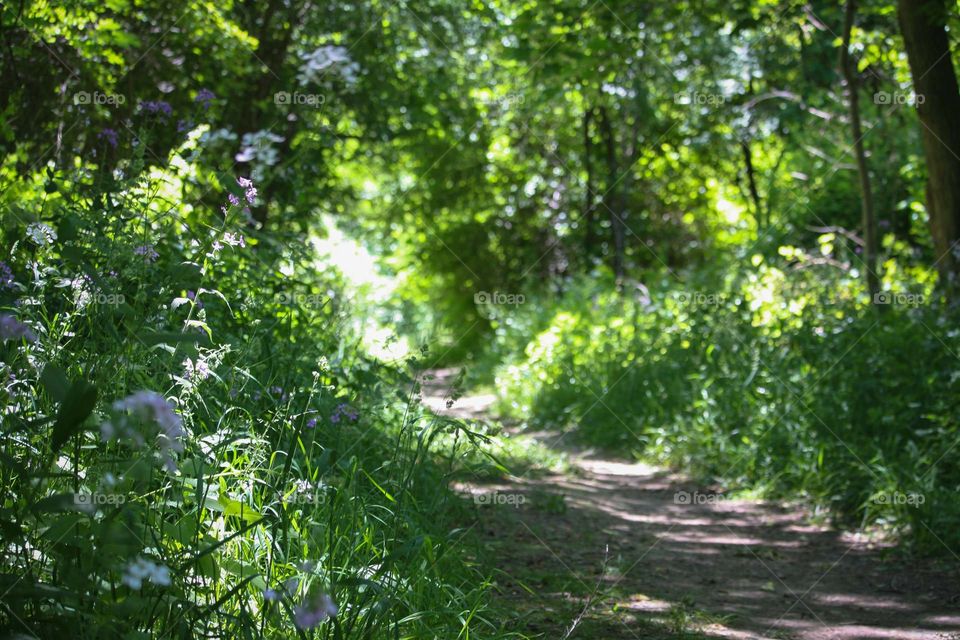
[(55, 381), (76, 407)]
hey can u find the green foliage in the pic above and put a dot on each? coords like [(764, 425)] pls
[(766, 379), (303, 470)]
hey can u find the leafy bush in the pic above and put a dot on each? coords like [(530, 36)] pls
[(192, 446), (772, 377)]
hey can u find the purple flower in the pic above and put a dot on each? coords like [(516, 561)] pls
[(198, 370), (157, 108), (6, 276), (110, 136), (13, 329), (234, 200), (313, 612), (311, 423), (251, 194), (205, 97), (183, 125), (244, 182), (271, 595), (192, 297), (343, 409), (147, 251), (152, 407)]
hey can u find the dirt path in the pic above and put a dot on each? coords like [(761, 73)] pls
[(614, 550)]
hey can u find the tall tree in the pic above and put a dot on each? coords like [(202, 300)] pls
[(923, 25), (848, 66)]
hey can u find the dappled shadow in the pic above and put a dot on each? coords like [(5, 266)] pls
[(620, 550)]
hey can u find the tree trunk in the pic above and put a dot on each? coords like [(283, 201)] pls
[(866, 193), (617, 224), (588, 199), (923, 24), (752, 184)]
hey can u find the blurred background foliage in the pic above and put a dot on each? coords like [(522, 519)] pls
[(666, 192)]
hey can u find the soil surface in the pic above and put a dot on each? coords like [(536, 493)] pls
[(614, 549)]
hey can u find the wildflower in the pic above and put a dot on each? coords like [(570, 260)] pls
[(151, 407), (323, 60), (311, 423), (192, 297), (110, 136), (41, 234), (157, 108), (234, 200), (313, 612), (234, 239), (147, 251), (13, 329), (250, 194), (205, 97), (183, 125), (343, 409), (6, 276), (198, 370), (142, 569), (271, 595), (244, 183)]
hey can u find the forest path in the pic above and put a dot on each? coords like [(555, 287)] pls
[(618, 550)]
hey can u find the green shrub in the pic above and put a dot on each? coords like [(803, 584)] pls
[(774, 377)]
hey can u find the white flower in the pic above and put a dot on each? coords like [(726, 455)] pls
[(318, 62), (234, 239), (142, 569), (41, 234), (258, 147)]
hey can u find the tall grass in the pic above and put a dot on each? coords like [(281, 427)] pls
[(773, 378), (194, 446)]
